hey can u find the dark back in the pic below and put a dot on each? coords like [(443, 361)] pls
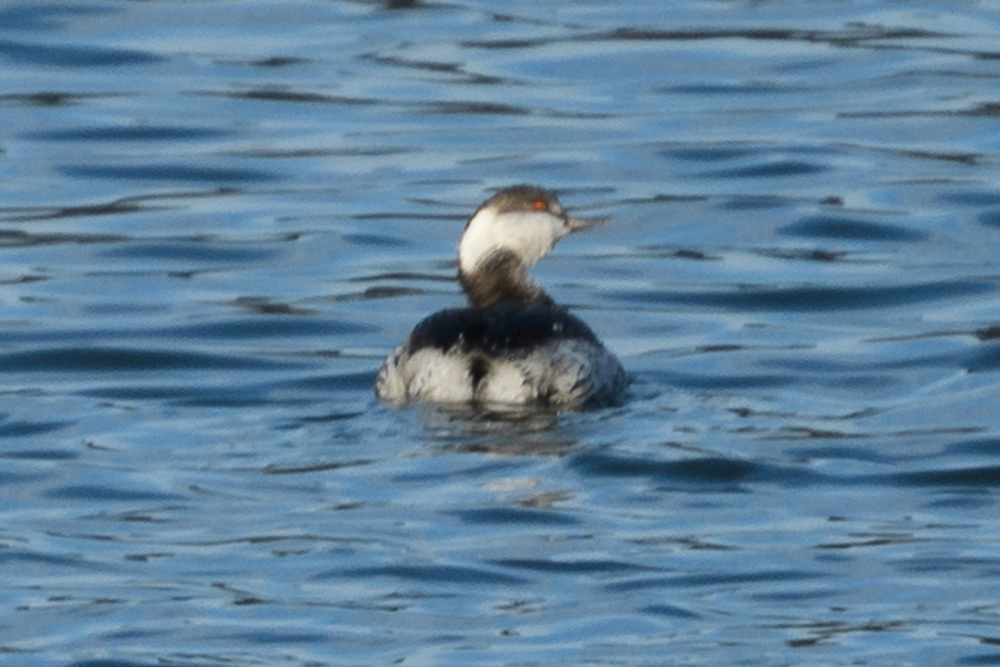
[(498, 329)]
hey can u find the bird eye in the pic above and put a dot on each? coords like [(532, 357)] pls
[(539, 205)]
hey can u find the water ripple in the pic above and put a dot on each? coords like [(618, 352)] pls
[(713, 580), (843, 228), (816, 298), (185, 173), (569, 567), (775, 169), (74, 56), (430, 574), (22, 429), (980, 476), (43, 18), (101, 493), (188, 251), (117, 359), (512, 516), (127, 133)]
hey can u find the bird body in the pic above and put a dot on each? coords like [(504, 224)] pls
[(512, 344)]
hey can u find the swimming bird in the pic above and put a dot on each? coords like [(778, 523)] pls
[(512, 344)]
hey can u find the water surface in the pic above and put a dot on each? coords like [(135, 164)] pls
[(217, 218)]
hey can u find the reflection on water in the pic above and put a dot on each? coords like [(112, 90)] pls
[(211, 238)]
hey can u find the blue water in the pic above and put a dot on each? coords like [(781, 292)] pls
[(217, 218)]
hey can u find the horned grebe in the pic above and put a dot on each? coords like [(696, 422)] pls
[(513, 344)]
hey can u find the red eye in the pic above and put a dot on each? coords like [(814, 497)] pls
[(539, 205)]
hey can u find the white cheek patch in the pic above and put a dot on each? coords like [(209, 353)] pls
[(529, 234)]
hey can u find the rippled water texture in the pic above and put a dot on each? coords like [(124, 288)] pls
[(216, 219)]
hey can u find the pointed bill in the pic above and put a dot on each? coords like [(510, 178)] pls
[(579, 224)]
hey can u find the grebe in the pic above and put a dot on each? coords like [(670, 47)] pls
[(512, 344)]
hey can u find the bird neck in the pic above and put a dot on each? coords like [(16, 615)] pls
[(501, 278)]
